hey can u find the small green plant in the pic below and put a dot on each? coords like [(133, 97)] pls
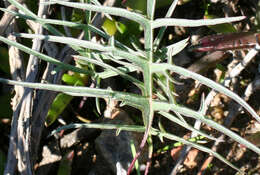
[(154, 68)]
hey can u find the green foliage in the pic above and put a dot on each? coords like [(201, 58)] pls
[(219, 28), (66, 163), (74, 79), (112, 26), (137, 166), (223, 70), (130, 60), (59, 104), (78, 16), (177, 144), (138, 6), (62, 100), (109, 26)]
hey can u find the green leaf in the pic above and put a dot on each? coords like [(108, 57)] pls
[(62, 100), (109, 26), (121, 27), (59, 104), (102, 9), (141, 59), (153, 132), (77, 15), (193, 23), (74, 79), (137, 6), (221, 28), (66, 163), (43, 56)]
